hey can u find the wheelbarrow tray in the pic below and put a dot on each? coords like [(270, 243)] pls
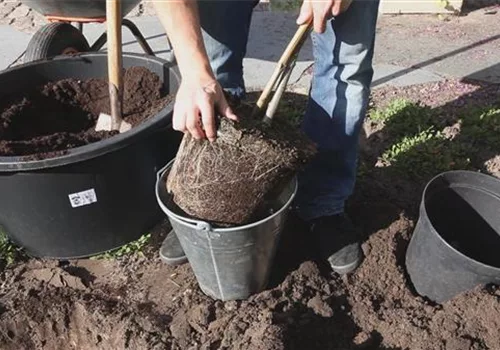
[(83, 9)]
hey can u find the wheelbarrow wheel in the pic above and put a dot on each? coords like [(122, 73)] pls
[(55, 39)]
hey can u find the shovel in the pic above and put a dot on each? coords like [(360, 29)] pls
[(114, 122)]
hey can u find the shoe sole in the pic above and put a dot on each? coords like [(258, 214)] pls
[(345, 269), (173, 261)]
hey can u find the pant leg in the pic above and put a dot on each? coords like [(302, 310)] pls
[(225, 27), (336, 108)]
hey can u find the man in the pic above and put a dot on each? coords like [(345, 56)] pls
[(209, 38)]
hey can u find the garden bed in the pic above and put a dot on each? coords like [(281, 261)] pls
[(136, 302)]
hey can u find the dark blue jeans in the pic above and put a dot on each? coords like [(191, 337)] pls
[(338, 97)]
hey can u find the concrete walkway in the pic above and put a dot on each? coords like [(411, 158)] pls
[(397, 61)]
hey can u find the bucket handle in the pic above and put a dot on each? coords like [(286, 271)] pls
[(163, 168), (200, 225), (203, 226)]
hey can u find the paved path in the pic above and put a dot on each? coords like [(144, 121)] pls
[(409, 49)]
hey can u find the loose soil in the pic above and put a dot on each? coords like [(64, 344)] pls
[(140, 303), (50, 119), (227, 182)]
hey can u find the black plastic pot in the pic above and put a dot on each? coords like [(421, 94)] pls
[(456, 243), (96, 197)]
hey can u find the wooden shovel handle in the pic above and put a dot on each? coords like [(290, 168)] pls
[(287, 56), (114, 35)]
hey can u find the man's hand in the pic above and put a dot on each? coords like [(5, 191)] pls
[(195, 107), (320, 11), (199, 96)]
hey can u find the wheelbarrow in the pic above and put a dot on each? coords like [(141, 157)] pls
[(61, 37)]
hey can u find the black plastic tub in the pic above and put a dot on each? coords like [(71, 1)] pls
[(456, 243), (96, 197)]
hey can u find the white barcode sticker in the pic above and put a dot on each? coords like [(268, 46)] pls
[(82, 198)]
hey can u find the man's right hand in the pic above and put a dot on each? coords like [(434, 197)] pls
[(197, 102), (200, 96)]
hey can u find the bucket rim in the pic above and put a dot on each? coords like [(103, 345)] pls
[(489, 269), (203, 225)]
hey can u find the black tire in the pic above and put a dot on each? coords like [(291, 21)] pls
[(55, 39)]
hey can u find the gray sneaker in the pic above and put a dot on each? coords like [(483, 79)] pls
[(171, 251), (338, 242)]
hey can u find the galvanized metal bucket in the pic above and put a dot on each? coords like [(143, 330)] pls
[(229, 263)]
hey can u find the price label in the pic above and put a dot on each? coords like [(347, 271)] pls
[(80, 199)]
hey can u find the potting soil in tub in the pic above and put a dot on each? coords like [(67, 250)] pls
[(50, 119)]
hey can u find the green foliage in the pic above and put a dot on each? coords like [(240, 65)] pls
[(418, 145), (446, 4), (482, 127), (426, 154), (403, 118), (408, 143), (394, 108), (135, 247), (8, 251)]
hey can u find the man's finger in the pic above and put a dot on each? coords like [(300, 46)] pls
[(305, 13), (228, 112), (179, 119), (208, 118), (193, 124), (337, 5), (225, 110), (319, 21)]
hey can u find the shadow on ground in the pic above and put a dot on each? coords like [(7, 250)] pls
[(472, 5)]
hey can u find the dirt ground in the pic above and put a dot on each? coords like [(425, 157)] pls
[(137, 302)]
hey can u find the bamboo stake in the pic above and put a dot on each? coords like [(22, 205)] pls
[(273, 105), (288, 55)]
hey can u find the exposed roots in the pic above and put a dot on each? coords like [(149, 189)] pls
[(226, 181)]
